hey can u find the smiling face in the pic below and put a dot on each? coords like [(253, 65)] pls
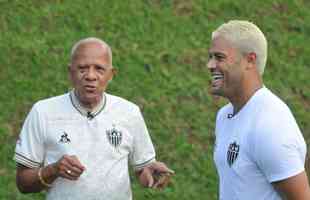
[(226, 65), (90, 71)]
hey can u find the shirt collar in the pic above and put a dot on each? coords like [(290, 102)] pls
[(85, 111)]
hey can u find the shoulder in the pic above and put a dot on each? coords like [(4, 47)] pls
[(120, 104), (275, 126), (52, 104), (271, 102), (273, 113)]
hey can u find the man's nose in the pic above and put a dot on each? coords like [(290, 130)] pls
[(91, 74), (211, 64)]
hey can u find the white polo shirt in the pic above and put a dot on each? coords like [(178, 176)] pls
[(104, 141), (261, 144)]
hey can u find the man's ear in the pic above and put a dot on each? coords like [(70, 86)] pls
[(114, 72), (251, 57), (69, 71)]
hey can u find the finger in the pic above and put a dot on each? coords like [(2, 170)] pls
[(66, 170), (161, 167), (74, 161), (69, 176), (162, 182), (73, 172), (147, 175)]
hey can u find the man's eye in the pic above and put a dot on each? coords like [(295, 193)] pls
[(100, 69), (219, 58)]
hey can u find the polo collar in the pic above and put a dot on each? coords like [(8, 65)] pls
[(90, 114)]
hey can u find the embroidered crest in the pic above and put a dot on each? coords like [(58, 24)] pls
[(114, 136), (64, 138), (232, 153)]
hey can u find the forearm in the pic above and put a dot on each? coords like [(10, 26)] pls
[(28, 181)]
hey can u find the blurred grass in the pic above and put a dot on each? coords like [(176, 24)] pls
[(160, 49)]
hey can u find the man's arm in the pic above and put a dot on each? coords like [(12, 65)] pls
[(294, 188), (29, 180)]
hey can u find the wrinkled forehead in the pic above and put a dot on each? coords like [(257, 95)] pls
[(92, 51)]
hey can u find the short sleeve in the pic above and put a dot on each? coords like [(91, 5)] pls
[(29, 149), (280, 149), (143, 149)]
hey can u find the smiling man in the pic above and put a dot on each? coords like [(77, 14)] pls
[(259, 150), (78, 145)]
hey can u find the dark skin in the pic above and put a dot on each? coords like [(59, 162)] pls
[(90, 72), (27, 179)]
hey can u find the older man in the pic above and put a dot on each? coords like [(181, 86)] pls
[(259, 151), (78, 145)]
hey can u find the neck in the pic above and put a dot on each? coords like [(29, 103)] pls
[(88, 105), (245, 92)]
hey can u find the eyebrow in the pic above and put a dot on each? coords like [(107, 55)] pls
[(218, 54), (215, 53), (100, 65)]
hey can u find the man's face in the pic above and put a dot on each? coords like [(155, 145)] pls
[(90, 71), (226, 67)]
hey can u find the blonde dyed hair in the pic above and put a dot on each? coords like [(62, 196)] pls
[(247, 38)]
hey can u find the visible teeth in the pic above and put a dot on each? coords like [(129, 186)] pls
[(217, 76)]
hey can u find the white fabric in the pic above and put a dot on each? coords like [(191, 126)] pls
[(271, 148), (50, 125)]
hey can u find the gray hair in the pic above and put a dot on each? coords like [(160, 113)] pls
[(247, 38), (91, 40)]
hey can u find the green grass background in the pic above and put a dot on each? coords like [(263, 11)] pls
[(160, 49)]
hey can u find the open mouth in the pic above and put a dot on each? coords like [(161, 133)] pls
[(217, 78)]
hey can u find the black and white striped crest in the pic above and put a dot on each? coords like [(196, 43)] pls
[(114, 136), (232, 153)]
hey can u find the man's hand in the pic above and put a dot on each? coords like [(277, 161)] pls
[(27, 179), (69, 167), (155, 175)]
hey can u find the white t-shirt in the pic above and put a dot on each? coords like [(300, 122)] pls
[(261, 144), (104, 142)]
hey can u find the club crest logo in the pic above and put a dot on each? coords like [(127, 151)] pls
[(232, 153), (114, 136)]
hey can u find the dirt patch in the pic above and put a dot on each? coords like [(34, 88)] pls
[(183, 7), (196, 58), (280, 7), (302, 97), (3, 172)]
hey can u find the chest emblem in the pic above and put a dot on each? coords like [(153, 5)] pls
[(114, 136), (64, 138), (232, 153)]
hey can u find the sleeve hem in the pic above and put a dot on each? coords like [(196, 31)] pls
[(291, 173), (145, 163), (26, 161)]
